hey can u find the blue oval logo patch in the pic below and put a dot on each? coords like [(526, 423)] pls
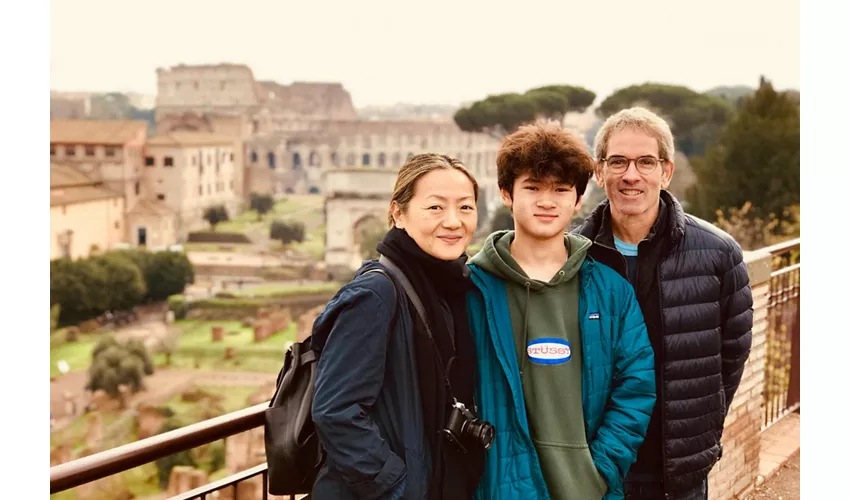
[(549, 351)]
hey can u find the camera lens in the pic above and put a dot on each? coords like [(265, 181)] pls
[(482, 432)]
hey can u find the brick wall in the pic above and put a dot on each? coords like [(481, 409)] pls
[(736, 472)]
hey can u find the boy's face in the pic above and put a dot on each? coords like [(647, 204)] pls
[(542, 209)]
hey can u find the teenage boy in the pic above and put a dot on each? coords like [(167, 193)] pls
[(566, 370)]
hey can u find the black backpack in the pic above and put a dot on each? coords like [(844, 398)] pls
[(293, 451)]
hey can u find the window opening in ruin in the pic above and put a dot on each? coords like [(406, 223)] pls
[(149, 161), (272, 161), (382, 160), (296, 161), (168, 161), (366, 160)]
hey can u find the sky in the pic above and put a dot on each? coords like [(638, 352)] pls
[(434, 52)]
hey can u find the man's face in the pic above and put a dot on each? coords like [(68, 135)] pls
[(542, 209), (634, 190)]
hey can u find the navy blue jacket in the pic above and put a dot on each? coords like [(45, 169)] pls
[(366, 405)]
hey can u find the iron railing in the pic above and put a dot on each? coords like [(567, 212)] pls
[(782, 346), (781, 396), (98, 466)]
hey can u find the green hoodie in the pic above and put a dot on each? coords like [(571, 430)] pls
[(544, 318)]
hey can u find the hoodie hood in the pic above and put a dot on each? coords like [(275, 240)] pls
[(495, 258)]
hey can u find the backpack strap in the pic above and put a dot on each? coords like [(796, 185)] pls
[(408, 289)]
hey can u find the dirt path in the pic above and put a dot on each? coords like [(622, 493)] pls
[(163, 384), (783, 485)]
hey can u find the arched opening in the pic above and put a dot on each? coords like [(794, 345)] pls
[(396, 160), (313, 159), (334, 159), (272, 160), (253, 157), (382, 160), (368, 231), (296, 161), (366, 160), (350, 160)]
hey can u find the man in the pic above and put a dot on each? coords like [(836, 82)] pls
[(565, 365), (691, 281)]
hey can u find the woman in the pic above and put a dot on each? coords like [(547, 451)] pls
[(385, 388)]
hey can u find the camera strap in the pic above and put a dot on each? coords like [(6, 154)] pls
[(420, 310)]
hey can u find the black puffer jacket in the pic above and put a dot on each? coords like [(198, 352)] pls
[(693, 289)]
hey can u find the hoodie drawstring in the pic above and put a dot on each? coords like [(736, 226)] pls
[(525, 328)]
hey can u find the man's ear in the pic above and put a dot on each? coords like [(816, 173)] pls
[(578, 203), (597, 173), (667, 168)]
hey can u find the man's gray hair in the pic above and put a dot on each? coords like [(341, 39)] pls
[(637, 118)]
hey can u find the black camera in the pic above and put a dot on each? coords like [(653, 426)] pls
[(464, 426)]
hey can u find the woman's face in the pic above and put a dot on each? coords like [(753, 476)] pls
[(441, 217)]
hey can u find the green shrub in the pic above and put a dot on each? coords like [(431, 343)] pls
[(177, 305), (115, 364)]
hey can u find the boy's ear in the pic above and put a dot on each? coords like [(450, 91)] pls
[(507, 200), (578, 203)]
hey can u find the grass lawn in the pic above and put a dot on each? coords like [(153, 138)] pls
[(307, 208), (219, 247), (199, 333), (77, 354), (286, 290), (233, 398)]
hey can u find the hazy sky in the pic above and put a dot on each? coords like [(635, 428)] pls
[(430, 51)]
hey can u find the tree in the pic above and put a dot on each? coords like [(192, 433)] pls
[(287, 231), (501, 114), (122, 285), (168, 274), (70, 289), (262, 203), (695, 119), (216, 214), (757, 160), (115, 364)]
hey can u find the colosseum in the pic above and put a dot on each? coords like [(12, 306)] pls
[(293, 135)]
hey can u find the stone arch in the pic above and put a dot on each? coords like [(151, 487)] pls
[(382, 160), (272, 159), (296, 161), (353, 197)]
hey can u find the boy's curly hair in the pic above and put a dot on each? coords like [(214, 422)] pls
[(545, 150)]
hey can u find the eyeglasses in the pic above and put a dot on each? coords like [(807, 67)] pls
[(645, 164)]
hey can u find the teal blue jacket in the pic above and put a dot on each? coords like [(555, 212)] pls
[(618, 383)]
